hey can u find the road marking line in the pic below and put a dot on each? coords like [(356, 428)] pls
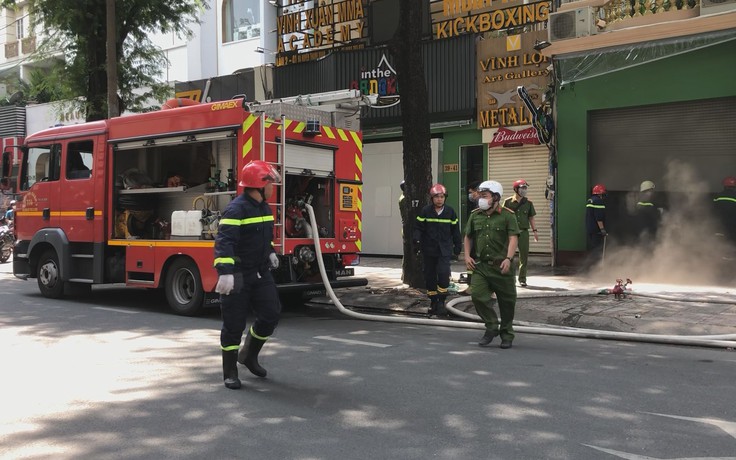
[(117, 310), (353, 342)]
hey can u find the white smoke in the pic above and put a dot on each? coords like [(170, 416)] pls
[(686, 249)]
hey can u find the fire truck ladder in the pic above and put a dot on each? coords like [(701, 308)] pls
[(279, 164)]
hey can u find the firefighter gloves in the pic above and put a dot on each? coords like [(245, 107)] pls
[(225, 284)]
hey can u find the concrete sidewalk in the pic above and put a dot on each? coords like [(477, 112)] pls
[(561, 297)]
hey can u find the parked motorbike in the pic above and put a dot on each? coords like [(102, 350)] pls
[(7, 240)]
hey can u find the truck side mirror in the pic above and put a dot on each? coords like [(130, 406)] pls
[(6, 164)]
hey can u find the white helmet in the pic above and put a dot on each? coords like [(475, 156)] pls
[(491, 186), (646, 185)]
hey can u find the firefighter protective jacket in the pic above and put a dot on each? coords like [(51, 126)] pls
[(725, 205), (244, 236), (595, 210), (438, 234)]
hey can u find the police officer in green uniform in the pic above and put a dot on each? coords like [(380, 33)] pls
[(524, 210), (493, 233)]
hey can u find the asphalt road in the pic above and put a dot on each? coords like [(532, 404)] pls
[(116, 376)]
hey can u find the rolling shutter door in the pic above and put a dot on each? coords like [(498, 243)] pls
[(631, 144), (320, 161), (530, 163)]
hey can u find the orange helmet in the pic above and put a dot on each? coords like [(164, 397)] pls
[(599, 189), (730, 181), (520, 183), (438, 189), (258, 174)]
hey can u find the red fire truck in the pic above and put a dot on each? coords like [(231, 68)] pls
[(137, 199)]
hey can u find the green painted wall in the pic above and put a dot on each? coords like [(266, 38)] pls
[(703, 74)]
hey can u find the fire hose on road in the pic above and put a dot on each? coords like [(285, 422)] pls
[(714, 341)]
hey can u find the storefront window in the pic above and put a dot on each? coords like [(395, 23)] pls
[(241, 19)]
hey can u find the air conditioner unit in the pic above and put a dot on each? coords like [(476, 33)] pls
[(573, 23), (716, 6)]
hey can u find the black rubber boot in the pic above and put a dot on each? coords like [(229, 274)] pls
[(230, 369), (432, 307), (248, 355), (441, 310)]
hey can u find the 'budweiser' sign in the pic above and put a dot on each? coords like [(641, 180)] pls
[(505, 136)]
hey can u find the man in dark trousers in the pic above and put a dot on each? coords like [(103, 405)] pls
[(725, 208), (524, 211), (494, 232), (244, 256), (437, 234), (595, 223), (647, 214)]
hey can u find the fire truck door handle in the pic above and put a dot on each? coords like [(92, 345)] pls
[(46, 214), (89, 214)]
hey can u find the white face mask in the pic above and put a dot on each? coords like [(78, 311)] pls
[(522, 191), (472, 198), (485, 204)]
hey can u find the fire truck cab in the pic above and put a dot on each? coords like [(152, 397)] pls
[(137, 199)]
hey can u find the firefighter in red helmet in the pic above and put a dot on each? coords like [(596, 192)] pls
[(595, 222), (437, 234), (725, 208), (244, 256)]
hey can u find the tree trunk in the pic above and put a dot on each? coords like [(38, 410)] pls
[(406, 49), (97, 80)]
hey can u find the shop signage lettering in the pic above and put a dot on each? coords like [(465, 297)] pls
[(323, 25), (453, 7), (506, 136), (505, 63), (380, 80), (506, 116), (493, 20)]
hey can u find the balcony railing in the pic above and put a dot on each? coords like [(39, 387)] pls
[(28, 44), (624, 13), (11, 50)]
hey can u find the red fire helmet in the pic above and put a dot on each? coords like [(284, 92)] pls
[(730, 181), (599, 189), (520, 183), (258, 174), (438, 189)]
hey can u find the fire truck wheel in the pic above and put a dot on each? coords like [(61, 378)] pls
[(183, 287), (48, 275)]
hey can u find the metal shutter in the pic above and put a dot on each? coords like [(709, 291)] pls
[(530, 163), (631, 144)]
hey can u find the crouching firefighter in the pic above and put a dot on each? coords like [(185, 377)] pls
[(244, 256)]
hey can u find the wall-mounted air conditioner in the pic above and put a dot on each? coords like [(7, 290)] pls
[(576, 23), (716, 6)]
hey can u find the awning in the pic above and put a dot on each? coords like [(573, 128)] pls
[(593, 63)]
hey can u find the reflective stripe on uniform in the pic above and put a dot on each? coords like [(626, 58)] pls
[(224, 260), (252, 332), (725, 198), (230, 348), (439, 221), (642, 203), (596, 206), (248, 221)]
